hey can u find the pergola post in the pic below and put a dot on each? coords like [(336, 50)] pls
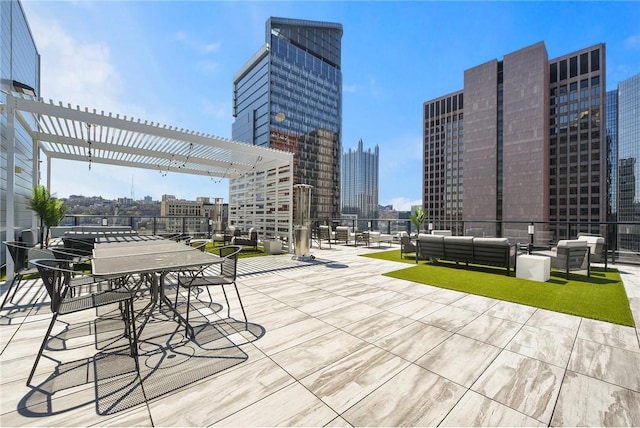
[(11, 181)]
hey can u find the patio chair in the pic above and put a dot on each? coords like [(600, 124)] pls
[(597, 247), (248, 240), (325, 234), (201, 278), (343, 233), (18, 252), (407, 246), (571, 255), (56, 281)]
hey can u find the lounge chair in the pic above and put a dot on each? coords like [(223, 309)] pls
[(407, 246), (571, 255)]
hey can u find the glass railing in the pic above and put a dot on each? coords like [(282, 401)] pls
[(622, 239)]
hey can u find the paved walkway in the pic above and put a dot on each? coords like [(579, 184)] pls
[(330, 343)]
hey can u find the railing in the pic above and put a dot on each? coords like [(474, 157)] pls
[(623, 239), (194, 226)]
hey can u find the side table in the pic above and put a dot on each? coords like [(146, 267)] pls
[(534, 268)]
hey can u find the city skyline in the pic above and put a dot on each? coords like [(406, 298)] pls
[(173, 62)]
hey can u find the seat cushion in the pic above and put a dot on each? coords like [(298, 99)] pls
[(572, 243)]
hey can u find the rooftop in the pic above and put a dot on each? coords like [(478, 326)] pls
[(330, 342)]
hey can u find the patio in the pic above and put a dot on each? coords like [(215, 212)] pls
[(331, 342)]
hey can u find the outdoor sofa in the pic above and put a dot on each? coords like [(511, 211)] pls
[(248, 240), (467, 249), (376, 238)]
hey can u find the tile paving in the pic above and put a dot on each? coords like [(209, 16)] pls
[(331, 342)]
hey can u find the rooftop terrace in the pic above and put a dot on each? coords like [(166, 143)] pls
[(331, 342)]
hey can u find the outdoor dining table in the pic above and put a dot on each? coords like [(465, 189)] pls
[(154, 259)]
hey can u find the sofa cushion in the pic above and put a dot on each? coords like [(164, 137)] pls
[(431, 238), (441, 232), (491, 241)]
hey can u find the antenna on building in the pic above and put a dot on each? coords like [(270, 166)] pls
[(132, 193)]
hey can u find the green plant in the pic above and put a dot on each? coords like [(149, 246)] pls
[(49, 209), (417, 217)]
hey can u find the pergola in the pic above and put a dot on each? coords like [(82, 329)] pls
[(65, 132)]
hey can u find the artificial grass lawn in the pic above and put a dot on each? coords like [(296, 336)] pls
[(601, 297), (245, 253)]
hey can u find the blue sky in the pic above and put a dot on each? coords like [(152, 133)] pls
[(173, 62)]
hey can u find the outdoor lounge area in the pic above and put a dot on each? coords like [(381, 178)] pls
[(329, 342)]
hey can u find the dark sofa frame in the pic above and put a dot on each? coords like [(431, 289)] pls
[(467, 249)]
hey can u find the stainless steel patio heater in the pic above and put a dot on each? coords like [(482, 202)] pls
[(216, 216), (302, 222)]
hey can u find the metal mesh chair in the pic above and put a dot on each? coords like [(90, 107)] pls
[(19, 254), (201, 278), (56, 278)]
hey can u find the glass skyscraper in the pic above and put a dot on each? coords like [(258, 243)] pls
[(288, 96), (612, 154), (359, 176), (628, 197), (19, 70)]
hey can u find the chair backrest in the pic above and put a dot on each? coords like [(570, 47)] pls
[(70, 256), (18, 252), (342, 233), (55, 278), (325, 232), (229, 265), (406, 244), (28, 237), (574, 250), (596, 246), (199, 245)]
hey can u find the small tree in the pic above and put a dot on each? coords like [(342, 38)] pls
[(418, 217), (49, 209)]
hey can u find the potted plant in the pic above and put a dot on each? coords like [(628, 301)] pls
[(49, 209), (418, 217)]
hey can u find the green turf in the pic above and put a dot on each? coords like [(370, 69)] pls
[(601, 297), (245, 253)]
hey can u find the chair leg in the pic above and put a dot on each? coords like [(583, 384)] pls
[(133, 335), (246, 322), (6, 296), (44, 342), (17, 280), (186, 327), (226, 300)]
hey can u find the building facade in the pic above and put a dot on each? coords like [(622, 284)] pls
[(628, 177), (288, 96), (199, 216), (443, 158), (19, 72), (359, 182), (612, 154), (523, 141)]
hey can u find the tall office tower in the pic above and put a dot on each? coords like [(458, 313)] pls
[(289, 97), (578, 145), (443, 159), (628, 166), (531, 148), (612, 155), (359, 178), (19, 72)]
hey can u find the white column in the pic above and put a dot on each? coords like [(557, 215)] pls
[(11, 180)]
